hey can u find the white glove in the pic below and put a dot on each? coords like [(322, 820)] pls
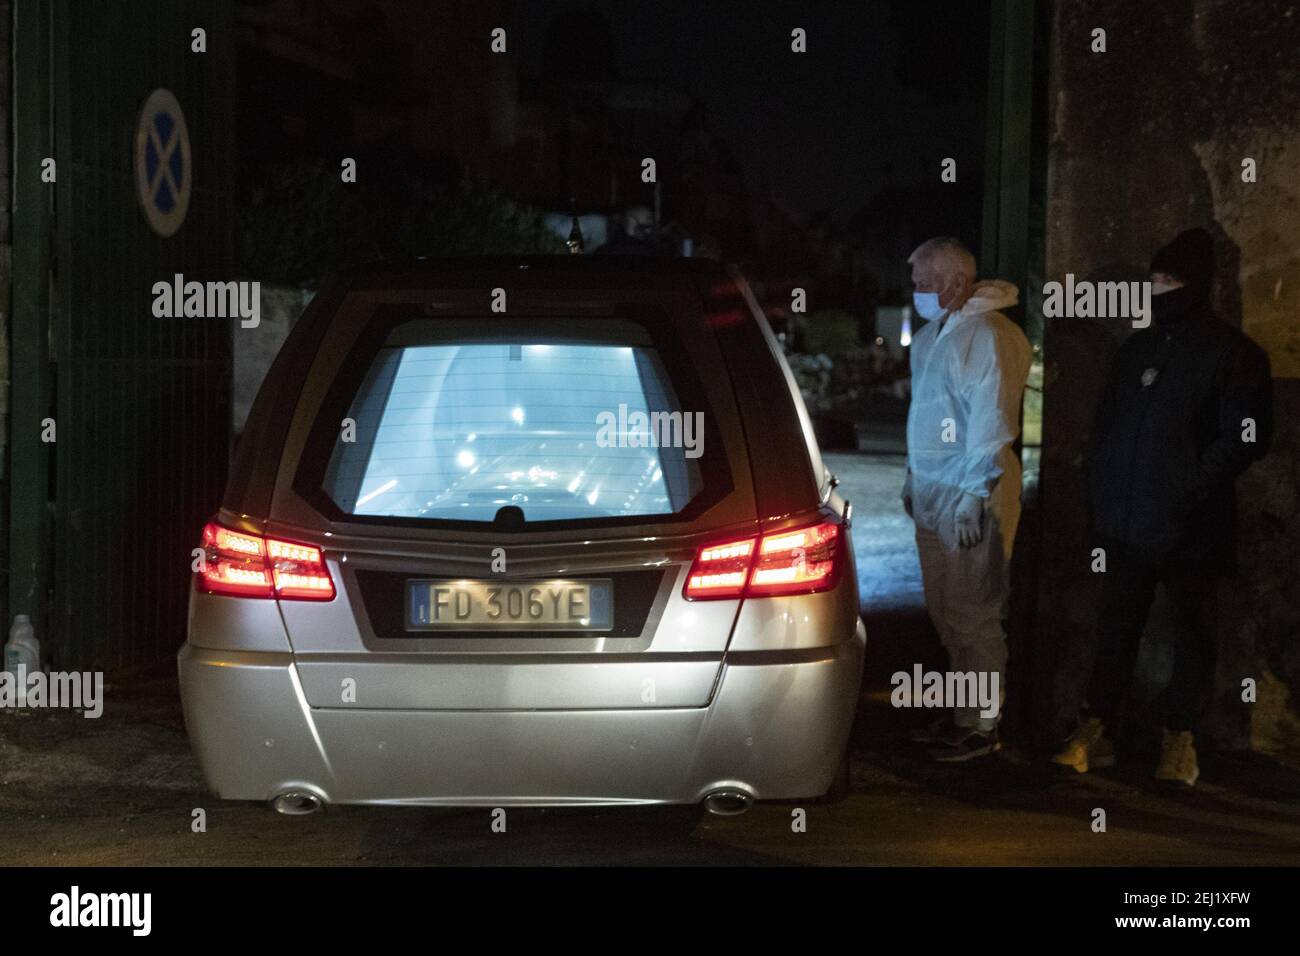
[(970, 523)]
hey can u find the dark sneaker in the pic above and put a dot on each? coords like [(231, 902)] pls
[(939, 731), (971, 744)]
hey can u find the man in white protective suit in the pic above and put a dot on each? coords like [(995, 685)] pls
[(969, 366)]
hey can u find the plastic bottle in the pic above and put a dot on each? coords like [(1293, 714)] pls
[(22, 648)]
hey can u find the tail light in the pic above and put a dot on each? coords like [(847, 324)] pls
[(796, 562), (803, 561), (234, 563), (246, 565), (719, 570)]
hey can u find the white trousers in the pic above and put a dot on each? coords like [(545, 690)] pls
[(966, 597)]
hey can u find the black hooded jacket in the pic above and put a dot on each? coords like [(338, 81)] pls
[(1164, 455)]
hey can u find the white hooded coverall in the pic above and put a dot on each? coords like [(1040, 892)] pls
[(968, 380)]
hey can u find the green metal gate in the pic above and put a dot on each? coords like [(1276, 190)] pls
[(141, 404)]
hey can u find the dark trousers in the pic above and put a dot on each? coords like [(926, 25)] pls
[(1128, 590)]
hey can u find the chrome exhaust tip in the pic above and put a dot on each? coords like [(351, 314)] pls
[(728, 803), (296, 803)]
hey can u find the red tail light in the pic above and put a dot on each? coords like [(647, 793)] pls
[(802, 561), (796, 562), (719, 570), (234, 563), (299, 571), (246, 565)]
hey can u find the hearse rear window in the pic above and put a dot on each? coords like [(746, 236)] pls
[(564, 420)]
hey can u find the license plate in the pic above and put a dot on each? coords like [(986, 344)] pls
[(461, 605)]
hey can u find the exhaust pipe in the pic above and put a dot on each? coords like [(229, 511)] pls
[(296, 803), (728, 803)]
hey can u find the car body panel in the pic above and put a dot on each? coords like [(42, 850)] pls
[(776, 729), (229, 623), (334, 640)]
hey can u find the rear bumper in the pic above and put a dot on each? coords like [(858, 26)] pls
[(776, 727)]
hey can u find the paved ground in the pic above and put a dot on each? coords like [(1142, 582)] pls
[(889, 576), (121, 789)]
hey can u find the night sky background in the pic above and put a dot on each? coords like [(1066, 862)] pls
[(884, 92), (819, 169)]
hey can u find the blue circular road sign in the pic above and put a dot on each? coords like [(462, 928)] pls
[(163, 167)]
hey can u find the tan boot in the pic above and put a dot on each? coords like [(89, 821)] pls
[(1178, 758), (1088, 748)]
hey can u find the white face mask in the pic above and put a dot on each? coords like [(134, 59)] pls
[(927, 305)]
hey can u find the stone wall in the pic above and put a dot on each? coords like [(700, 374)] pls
[(1147, 139)]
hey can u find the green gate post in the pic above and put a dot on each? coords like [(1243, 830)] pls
[(1009, 143), (30, 317), (1005, 253)]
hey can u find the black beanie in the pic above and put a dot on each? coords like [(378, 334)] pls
[(1190, 257)]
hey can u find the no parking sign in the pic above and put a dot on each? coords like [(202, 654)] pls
[(163, 162)]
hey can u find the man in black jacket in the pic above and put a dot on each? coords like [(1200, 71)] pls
[(1187, 407)]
